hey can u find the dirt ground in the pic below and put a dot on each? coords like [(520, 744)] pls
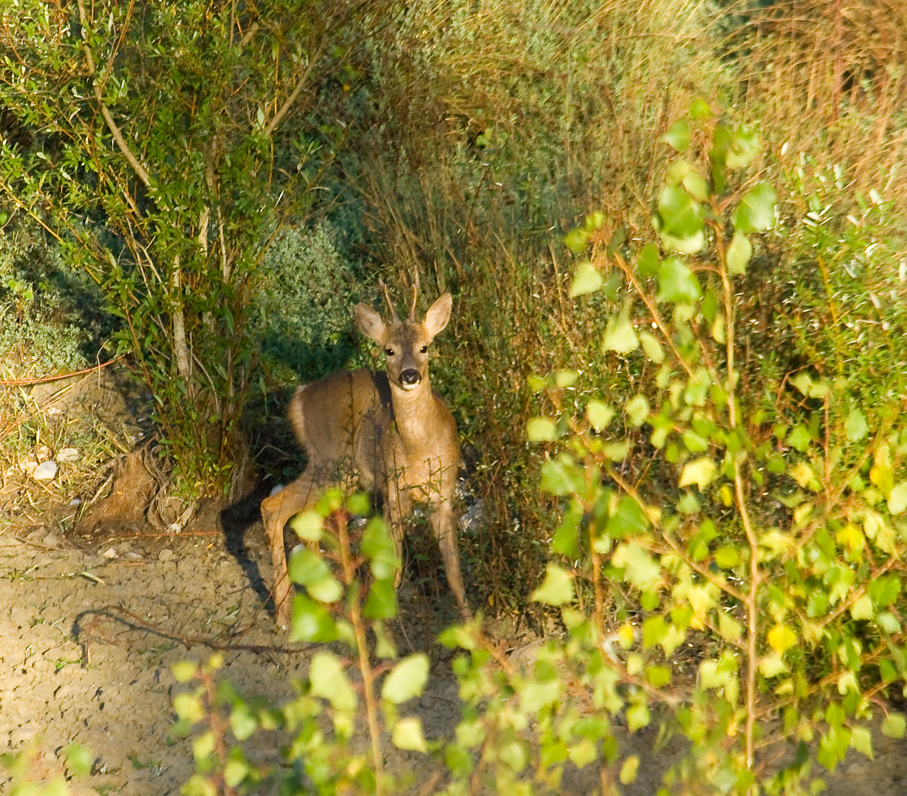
[(89, 635)]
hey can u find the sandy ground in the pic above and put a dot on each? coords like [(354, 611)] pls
[(89, 631)]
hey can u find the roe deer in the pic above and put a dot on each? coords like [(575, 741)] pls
[(389, 429)]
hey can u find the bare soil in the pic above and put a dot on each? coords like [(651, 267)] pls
[(89, 634)]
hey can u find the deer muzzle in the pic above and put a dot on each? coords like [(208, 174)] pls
[(409, 379)]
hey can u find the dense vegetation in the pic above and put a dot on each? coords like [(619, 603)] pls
[(674, 231)]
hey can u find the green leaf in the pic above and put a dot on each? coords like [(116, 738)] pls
[(599, 414), (379, 548), (619, 334), (407, 734), (329, 681), (309, 569), (587, 279), (637, 410), (861, 740), (677, 283), (308, 526), (738, 254), (79, 759), (561, 476), (243, 721), (311, 622), (744, 147), (697, 186), (856, 426), (406, 680), (184, 671), (700, 472), (638, 717), (629, 770), (556, 588), (541, 429), (897, 499), (652, 347), (679, 135), (680, 216), (862, 608), (756, 211), (640, 569), (894, 725), (381, 602)]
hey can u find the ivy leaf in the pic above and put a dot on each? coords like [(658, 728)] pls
[(556, 588), (756, 211), (407, 679), (587, 279)]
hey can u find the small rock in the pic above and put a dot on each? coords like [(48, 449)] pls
[(50, 540), (276, 488), (166, 555), (75, 502), (67, 455), (28, 466), (110, 553), (45, 471)]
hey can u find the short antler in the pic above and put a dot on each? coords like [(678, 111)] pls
[(387, 297), (412, 309)]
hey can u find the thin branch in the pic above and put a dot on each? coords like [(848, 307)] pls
[(123, 146)]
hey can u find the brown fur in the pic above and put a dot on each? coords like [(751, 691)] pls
[(389, 431)]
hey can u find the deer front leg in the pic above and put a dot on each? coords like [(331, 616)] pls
[(444, 525), (397, 506), (276, 511)]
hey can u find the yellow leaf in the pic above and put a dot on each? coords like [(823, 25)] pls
[(781, 638), (699, 472)]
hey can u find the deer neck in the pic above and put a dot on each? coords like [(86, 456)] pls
[(414, 413)]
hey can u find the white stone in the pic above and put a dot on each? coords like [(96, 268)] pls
[(45, 471), (67, 455)]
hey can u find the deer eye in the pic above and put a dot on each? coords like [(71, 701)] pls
[(389, 351), (423, 350)]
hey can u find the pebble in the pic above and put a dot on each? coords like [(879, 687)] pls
[(45, 471)]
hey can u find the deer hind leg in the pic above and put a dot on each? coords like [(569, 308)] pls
[(444, 525), (276, 512)]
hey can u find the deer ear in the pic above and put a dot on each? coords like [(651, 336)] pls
[(370, 323), (438, 315)]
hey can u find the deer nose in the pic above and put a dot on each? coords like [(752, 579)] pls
[(410, 378)]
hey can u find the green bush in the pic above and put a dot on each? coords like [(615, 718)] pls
[(764, 536)]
